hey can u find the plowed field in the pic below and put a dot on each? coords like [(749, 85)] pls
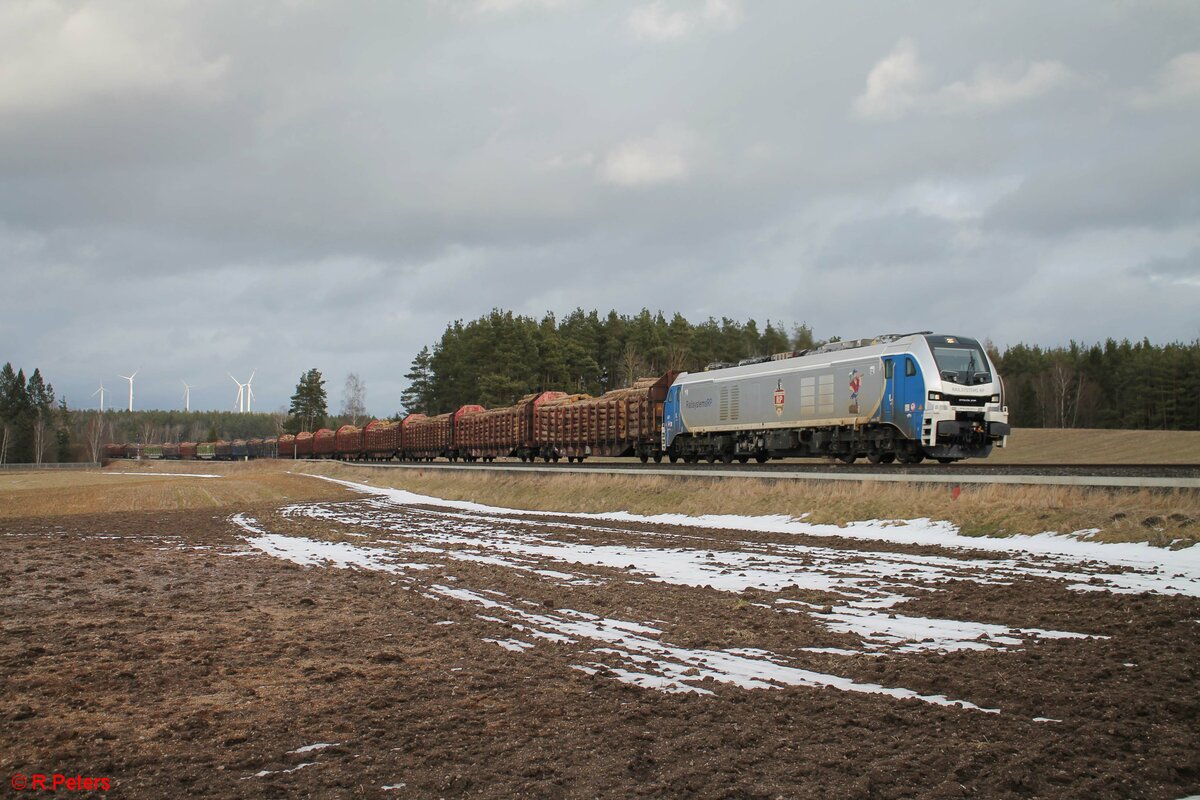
[(371, 643)]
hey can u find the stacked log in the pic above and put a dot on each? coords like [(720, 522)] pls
[(424, 437), (500, 432), (323, 443), (618, 423), (381, 439), (348, 441)]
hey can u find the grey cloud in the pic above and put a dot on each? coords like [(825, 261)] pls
[(327, 185)]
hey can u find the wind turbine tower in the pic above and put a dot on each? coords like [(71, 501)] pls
[(187, 396), (100, 392), (250, 390), (130, 379), (240, 402)]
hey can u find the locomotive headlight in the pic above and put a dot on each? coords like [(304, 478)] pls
[(995, 398), (935, 395)]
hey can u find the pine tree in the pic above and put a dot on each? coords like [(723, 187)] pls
[(41, 412), (309, 404), (417, 398)]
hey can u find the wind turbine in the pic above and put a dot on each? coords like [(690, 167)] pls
[(241, 405), (130, 379), (249, 390), (100, 392), (187, 396)]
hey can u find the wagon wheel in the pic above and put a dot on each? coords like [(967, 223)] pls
[(643, 457), (947, 460), (875, 457), (710, 456), (673, 457), (848, 458), (658, 458), (743, 459), (762, 458), (887, 458)]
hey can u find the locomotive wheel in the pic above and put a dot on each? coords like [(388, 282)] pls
[(947, 460), (710, 456), (848, 458), (658, 458), (643, 457), (887, 458), (546, 459), (673, 457), (875, 458), (743, 459), (691, 458)]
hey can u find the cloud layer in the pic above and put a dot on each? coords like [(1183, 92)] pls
[(196, 187)]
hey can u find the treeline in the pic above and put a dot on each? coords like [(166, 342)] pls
[(1111, 385), (32, 429), (171, 426), (497, 359)]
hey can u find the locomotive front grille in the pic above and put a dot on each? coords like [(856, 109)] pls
[(978, 402)]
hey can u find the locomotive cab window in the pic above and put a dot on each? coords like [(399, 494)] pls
[(963, 365), (910, 367), (887, 368)]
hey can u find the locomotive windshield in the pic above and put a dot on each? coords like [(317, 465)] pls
[(960, 361)]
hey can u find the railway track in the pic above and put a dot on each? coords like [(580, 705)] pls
[(1161, 476)]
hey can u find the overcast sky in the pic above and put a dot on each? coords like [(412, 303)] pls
[(195, 187)]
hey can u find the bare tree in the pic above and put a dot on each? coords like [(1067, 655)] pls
[(677, 356), (631, 363), (149, 430), (95, 435), (354, 398)]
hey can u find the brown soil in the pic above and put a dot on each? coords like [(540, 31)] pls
[(153, 648)]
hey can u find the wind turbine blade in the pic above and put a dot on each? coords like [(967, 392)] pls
[(251, 376)]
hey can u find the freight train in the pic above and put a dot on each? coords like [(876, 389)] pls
[(892, 398)]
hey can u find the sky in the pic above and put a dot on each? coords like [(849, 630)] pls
[(190, 188)]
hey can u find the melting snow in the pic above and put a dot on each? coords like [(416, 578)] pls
[(165, 474), (869, 583)]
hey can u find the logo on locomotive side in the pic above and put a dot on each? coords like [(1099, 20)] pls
[(779, 398), (855, 384)]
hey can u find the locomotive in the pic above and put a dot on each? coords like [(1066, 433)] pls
[(892, 398), (897, 397)]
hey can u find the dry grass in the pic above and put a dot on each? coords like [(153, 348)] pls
[(38, 494), (1159, 517), (1082, 446)]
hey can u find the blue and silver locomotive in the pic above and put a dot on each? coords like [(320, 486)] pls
[(898, 397)]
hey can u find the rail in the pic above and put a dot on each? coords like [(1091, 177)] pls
[(961, 477)]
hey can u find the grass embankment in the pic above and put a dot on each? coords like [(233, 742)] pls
[(1084, 446), (1161, 518), (240, 486)]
